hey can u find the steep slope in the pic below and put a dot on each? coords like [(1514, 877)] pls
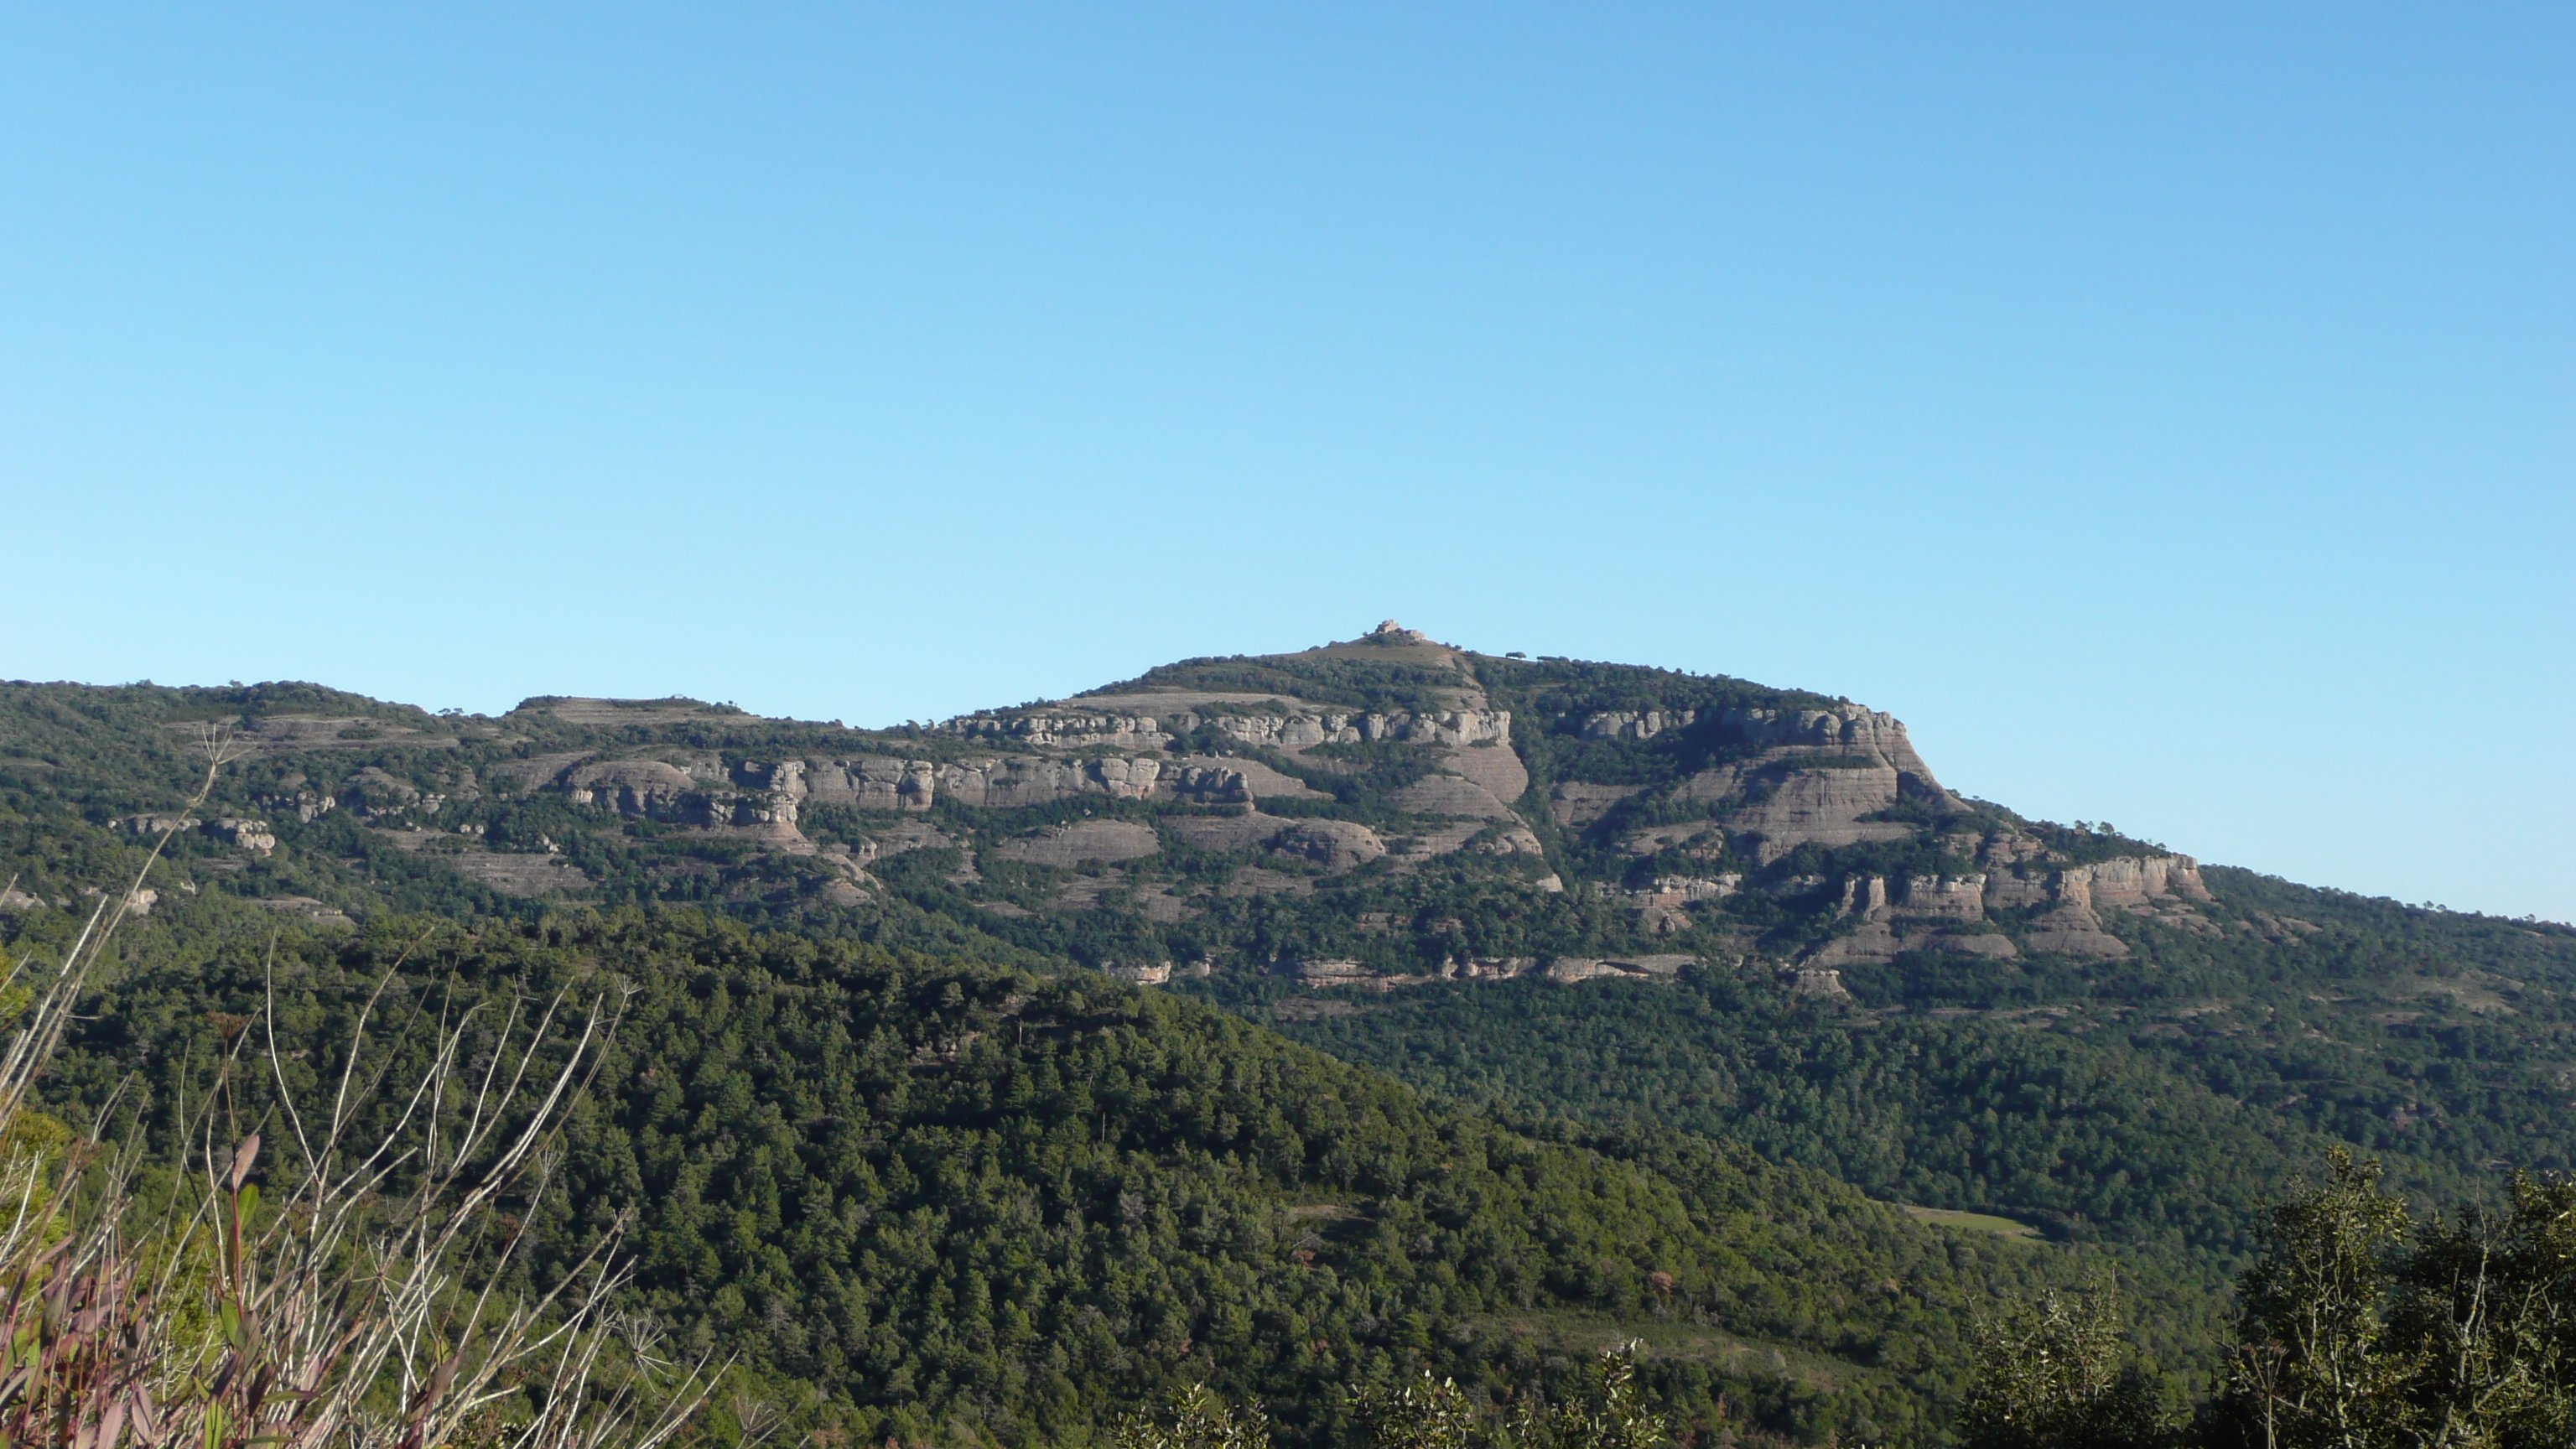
[(929, 1199)]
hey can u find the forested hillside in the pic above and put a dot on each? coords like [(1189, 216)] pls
[(1745, 933), (926, 1198)]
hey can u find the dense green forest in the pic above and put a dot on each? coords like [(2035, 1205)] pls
[(2164, 1069), (926, 1197)]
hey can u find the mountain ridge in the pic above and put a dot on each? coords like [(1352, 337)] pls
[(1593, 899), (1342, 840)]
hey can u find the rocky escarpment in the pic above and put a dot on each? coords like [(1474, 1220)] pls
[(1213, 748), (700, 791), (1791, 778), (2055, 907), (1021, 781), (1228, 800), (1266, 724)]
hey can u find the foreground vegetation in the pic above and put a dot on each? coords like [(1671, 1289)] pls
[(2358, 1327), (374, 1300)]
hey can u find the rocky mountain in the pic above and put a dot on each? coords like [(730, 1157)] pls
[(1620, 893), (1684, 818)]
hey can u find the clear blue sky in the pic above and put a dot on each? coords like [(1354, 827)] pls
[(2170, 410)]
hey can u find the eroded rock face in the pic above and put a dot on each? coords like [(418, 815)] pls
[(1577, 803), (2071, 929), (250, 835), (1509, 838), (1617, 968), (1222, 833), (1065, 731), (1211, 785), (654, 789), (771, 796), (2140, 883), (1812, 980), (1922, 913), (1814, 778), (1332, 844), (1861, 731), (874, 783), (1633, 724), (1004, 782), (1012, 782), (1819, 807), (1293, 732), (1449, 795), (1496, 766), (1944, 897), (1873, 942), (1084, 841), (1289, 730), (2074, 894)]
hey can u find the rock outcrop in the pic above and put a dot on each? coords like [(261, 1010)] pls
[(2070, 897), (1495, 765), (1289, 729), (1798, 777), (1449, 795), (1664, 906), (1812, 980), (296, 797), (1005, 782), (1921, 913), (1943, 897), (1332, 844), (371, 792), (1634, 724), (1629, 968), (1813, 806), (649, 788), (1083, 842), (251, 835), (1577, 803)]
